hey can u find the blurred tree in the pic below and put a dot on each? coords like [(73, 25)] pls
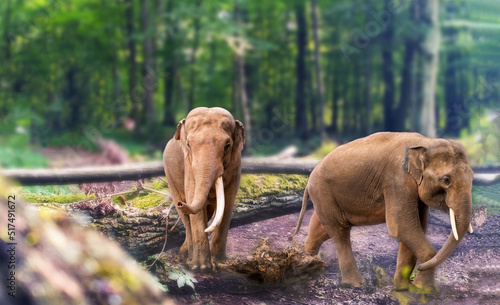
[(170, 64), (429, 48), (317, 62), (149, 69), (301, 74), (132, 62)]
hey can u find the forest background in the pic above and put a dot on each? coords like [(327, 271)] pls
[(313, 73)]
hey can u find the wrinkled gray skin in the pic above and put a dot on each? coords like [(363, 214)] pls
[(207, 145), (392, 178)]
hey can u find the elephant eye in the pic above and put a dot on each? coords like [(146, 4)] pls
[(187, 144), (226, 148), (446, 180)]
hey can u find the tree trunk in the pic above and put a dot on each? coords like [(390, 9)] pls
[(301, 74), (388, 77), (132, 62), (170, 60), (430, 57), (72, 96), (192, 61), (453, 102), (368, 95), (407, 86), (240, 61), (357, 107), (150, 79), (317, 61)]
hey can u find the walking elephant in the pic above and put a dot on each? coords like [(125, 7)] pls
[(203, 169), (392, 178)]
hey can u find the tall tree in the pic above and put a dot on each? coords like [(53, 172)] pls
[(452, 99), (407, 92), (317, 62), (240, 62), (170, 66), (132, 61), (301, 74), (388, 76), (194, 51), (149, 70), (429, 48)]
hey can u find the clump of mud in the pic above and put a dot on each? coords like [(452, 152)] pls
[(277, 267)]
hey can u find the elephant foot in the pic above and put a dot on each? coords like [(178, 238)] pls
[(401, 284), (424, 282), (352, 283), (200, 262), (218, 261)]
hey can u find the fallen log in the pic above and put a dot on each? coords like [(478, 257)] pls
[(136, 171), (142, 233)]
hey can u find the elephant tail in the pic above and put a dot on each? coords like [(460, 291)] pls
[(302, 211)]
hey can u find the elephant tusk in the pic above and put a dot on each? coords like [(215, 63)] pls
[(219, 210), (470, 228), (453, 224)]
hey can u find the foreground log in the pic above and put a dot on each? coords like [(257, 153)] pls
[(52, 260), (142, 233)]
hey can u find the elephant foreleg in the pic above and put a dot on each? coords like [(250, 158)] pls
[(406, 259), (412, 235), (200, 258), (219, 238)]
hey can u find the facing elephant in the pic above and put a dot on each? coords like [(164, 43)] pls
[(392, 178), (203, 169)]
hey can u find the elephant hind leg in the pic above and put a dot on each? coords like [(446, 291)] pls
[(316, 236), (341, 237)]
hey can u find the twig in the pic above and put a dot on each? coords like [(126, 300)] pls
[(166, 236), (140, 187), (172, 228)]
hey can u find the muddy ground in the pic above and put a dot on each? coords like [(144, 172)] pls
[(471, 275)]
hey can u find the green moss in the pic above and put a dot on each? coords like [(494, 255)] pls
[(255, 186), (145, 199), (33, 198)]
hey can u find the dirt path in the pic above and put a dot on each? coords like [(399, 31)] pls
[(471, 275)]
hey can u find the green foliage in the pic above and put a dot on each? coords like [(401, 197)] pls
[(16, 153)]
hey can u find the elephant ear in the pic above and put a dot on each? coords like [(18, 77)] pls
[(177, 135), (238, 138), (415, 162)]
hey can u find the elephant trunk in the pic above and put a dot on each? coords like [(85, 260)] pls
[(204, 180), (460, 218)]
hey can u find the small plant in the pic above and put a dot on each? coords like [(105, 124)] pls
[(183, 277)]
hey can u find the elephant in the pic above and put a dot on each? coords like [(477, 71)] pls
[(203, 169), (393, 178)]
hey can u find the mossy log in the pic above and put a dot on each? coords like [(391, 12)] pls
[(142, 233)]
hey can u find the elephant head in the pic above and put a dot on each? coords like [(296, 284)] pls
[(211, 140), (444, 178)]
